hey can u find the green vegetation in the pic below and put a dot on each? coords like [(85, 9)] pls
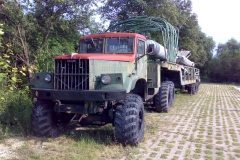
[(32, 33), (227, 58)]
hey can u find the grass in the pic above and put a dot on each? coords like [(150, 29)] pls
[(188, 152), (219, 153), (196, 156), (175, 158), (153, 154), (74, 146), (219, 142), (164, 156), (170, 145), (208, 157), (167, 150), (208, 152), (182, 142), (236, 150), (209, 146), (198, 150), (238, 155)]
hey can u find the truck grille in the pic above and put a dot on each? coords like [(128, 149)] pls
[(71, 74)]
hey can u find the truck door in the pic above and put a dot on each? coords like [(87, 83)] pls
[(141, 66)]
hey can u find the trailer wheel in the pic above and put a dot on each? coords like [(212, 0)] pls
[(43, 122), (163, 98), (196, 87), (192, 89), (129, 120), (172, 93)]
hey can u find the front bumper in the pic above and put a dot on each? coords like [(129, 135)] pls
[(76, 95)]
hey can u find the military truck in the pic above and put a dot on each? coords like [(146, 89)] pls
[(110, 78)]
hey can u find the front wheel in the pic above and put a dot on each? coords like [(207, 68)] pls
[(129, 120), (43, 119)]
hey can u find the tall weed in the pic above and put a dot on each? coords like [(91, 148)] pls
[(15, 112)]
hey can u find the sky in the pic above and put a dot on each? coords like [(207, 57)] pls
[(219, 19)]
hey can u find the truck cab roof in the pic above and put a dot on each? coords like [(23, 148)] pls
[(113, 35)]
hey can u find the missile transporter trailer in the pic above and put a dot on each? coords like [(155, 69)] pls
[(110, 79)]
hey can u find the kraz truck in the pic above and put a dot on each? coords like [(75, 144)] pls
[(111, 77)]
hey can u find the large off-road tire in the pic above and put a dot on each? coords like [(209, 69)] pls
[(43, 119), (192, 89), (163, 98), (129, 120), (172, 93)]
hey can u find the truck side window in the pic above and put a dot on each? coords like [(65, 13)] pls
[(141, 47)]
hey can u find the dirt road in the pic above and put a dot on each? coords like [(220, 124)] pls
[(202, 126)]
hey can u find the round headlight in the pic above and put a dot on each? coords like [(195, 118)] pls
[(48, 77), (105, 79)]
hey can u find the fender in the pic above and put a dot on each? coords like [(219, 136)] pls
[(130, 83)]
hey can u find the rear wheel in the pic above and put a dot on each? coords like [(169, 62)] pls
[(163, 98), (192, 89), (196, 87), (129, 120), (43, 119)]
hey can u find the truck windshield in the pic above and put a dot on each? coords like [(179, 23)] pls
[(119, 45), (91, 46)]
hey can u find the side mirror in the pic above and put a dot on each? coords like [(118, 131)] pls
[(150, 48)]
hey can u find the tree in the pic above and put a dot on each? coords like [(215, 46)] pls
[(227, 62), (192, 38), (174, 12), (35, 28)]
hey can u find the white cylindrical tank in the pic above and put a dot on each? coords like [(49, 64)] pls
[(185, 61), (158, 50)]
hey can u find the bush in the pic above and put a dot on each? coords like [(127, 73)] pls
[(15, 112)]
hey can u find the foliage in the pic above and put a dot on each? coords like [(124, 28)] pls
[(34, 33), (40, 30), (227, 62), (15, 104), (1, 33), (10, 76), (173, 11), (15, 111), (191, 38)]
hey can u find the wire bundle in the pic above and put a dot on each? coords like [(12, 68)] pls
[(143, 25)]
